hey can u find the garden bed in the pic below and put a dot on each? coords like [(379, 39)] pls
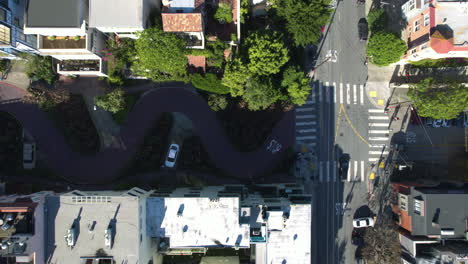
[(440, 63)]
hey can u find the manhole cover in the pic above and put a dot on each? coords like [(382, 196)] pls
[(341, 134)]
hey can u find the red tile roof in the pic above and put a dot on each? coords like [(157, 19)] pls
[(182, 22), (197, 62), (440, 44)]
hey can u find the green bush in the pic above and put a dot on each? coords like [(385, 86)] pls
[(448, 62), (217, 102), (224, 13), (40, 68), (377, 20), (4, 65), (209, 83), (112, 102), (385, 48), (296, 84), (260, 93)]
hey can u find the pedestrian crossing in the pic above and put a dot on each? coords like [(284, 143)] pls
[(329, 171), (378, 137), (307, 121), (342, 93)]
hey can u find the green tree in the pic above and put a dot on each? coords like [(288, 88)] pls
[(209, 83), (244, 10), (385, 48), (377, 19), (224, 13), (296, 84), (304, 19), (162, 55), (4, 65), (112, 102), (40, 68), (235, 77), (266, 52), (217, 102), (439, 100), (260, 93)]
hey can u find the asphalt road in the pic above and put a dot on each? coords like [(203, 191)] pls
[(347, 122)]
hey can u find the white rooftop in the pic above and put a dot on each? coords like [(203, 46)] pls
[(291, 244), (197, 222), (123, 14), (455, 15), (64, 210)]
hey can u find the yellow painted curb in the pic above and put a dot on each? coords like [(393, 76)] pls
[(372, 176)]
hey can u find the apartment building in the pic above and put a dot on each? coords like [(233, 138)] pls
[(12, 38), (435, 29)]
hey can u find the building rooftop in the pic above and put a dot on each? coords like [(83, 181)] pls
[(291, 244), (441, 209), (53, 13), (197, 222), (454, 15), (182, 22), (92, 216), (116, 13)]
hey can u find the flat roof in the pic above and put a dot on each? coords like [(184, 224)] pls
[(53, 13), (116, 13), (292, 244), (64, 210), (197, 222), (454, 15)]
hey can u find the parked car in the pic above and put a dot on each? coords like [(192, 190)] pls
[(29, 155), (446, 123), (6, 226), (172, 155), (437, 123), (465, 119), (357, 238), (343, 165), (429, 121), (363, 29), (9, 217), (363, 222)]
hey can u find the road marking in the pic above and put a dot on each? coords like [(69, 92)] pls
[(352, 126), (327, 91), (362, 171), (307, 130), (328, 170), (334, 92), (378, 124), (379, 131), (377, 111), (354, 94), (355, 170), (348, 98), (309, 102), (305, 123), (320, 172), (373, 159), (313, 93), (334, 171), (303, 109), (379, 117), (378, 152), (320, 91), (361, 93), (348, 176), (341, 93), (305, 116), (306, 137), (377, 146), (378, 138)]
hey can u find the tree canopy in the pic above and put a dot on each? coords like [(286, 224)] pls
[(260, 93), (439, 100), (40, 68), (304, 19), (296, 84), (377, 19), (385, 48), (161, 55), (266, 53), (209, 83), (112, 102), (235, 77)]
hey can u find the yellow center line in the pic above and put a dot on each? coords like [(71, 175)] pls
[(352, 127)]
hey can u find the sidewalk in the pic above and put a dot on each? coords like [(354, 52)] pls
[(16, 75), (377, 85)]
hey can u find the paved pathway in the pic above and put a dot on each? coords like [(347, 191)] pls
[(105, 166)]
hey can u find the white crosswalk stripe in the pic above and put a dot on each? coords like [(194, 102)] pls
[(378, 138), (361, 94), (306, 123), (379, 131), (378, 152), (348, 96), (377, 145), (327, 91), (329, 171), (334, 92), (362, 171), (305, 109), (341, 93), (305, 116), (373, 159), (378, 124), (378, 117), (354, 94), (376, 111), (307, 130)]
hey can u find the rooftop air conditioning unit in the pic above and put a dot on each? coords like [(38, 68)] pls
[(70, 237)]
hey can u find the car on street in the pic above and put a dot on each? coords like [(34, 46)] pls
[(465, 119), (172, 155), (446, 123), (437, 123), (363, 29), (357, 237), (29, 155), (363, 222), (343, 165)]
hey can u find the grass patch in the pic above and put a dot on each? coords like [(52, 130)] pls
[(121, 116), (450, 62)]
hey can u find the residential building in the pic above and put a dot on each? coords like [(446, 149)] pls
[(62, 31), (453, 252), (22, 231), (272, 221), (122, 17), (12, 38), (435, 29), (103, 227)]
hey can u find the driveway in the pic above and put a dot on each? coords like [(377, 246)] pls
[(104, 167)]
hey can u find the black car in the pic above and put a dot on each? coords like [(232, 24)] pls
[(357, 238), (344, 165), (363, 29)]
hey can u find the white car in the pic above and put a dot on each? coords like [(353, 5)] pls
[(446, 123), (363, 222), (172, 155), (437, 123), (29, 155)]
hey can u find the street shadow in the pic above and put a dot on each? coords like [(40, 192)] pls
[(363, 211)]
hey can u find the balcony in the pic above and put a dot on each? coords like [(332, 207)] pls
[(79, 65), (62, 43)]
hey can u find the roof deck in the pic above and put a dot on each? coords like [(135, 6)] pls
[(62, 43)]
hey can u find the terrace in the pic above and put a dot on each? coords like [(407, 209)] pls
[(62, 43)]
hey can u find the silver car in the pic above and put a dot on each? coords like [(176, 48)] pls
[(172, 155), (29, 155)]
